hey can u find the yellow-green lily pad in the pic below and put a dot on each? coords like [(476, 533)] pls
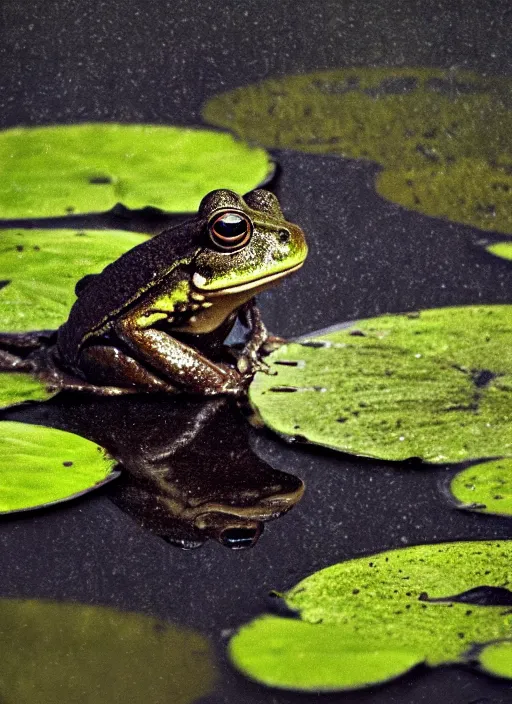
[(292, 654), (41, 466), (441, 136), (434, 385), (501, 249), (42, 268), (496, 659), (485, 488), (429, 603), (63, 169), (17, 388), (62, 652)]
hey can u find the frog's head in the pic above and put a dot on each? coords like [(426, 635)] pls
[(247, 243)]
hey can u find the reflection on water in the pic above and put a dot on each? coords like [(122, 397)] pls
[(52, 653), (190, 472)]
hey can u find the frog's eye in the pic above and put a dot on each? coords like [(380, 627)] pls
[(230, 230)]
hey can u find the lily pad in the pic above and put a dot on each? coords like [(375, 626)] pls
[(434, 385), (57, 652), (61, 169), (383, 614), (41, 466), (42, 268), (501, 249), (496, 659), (441, 136), (18, 388), (291, 654), (485, 488)]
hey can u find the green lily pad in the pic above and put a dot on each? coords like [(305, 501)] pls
[(402, 607), (471, 191), (501, 249), (497, 659), (18, 388), (58, 652), (42, 268), (291, 654), (442, 136), (485, 488), (434, 385), (89, 168), (41, 466)]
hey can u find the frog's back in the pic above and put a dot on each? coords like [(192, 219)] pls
[(120, 283)]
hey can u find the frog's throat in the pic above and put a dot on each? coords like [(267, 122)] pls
[(200, 281)]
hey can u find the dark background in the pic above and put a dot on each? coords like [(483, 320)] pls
[(158, 62)]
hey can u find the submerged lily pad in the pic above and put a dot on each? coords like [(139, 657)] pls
[(18, 388), (434, 385), (61, 169), (41, 466), (370, 619), (442, 136), (42, 268), (501, 249), (57, 652), (486, 488)]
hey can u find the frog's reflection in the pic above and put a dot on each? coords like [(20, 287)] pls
[(190, 472)]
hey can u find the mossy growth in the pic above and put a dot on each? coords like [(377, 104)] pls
[(441, 136)]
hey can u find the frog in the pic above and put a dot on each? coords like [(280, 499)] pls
[(157, 318)]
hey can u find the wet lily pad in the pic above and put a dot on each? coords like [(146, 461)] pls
[(485, 488), (497, 659), (370, 619), (501, 249), (61, 169), (442, 136), (57, 652), (434, 385), (18, 388), (41, 466), (42, 268)]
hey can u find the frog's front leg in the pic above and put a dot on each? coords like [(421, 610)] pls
[(177, 362), (250, 358)]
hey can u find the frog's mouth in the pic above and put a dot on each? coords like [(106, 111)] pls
[(200, 281)]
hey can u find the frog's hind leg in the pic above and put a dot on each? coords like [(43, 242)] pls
[(109, 367)]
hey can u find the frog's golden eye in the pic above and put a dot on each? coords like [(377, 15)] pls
[(230, 230)]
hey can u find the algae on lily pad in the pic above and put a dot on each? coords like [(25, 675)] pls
[(485, 488), (500, 249), (429, 603), (442, 136), (41, 466), (64, 652), (63, 169), (18, 388), (434, 384), (42, 268)]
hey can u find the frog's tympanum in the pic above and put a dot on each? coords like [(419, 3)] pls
[(156, 318)]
